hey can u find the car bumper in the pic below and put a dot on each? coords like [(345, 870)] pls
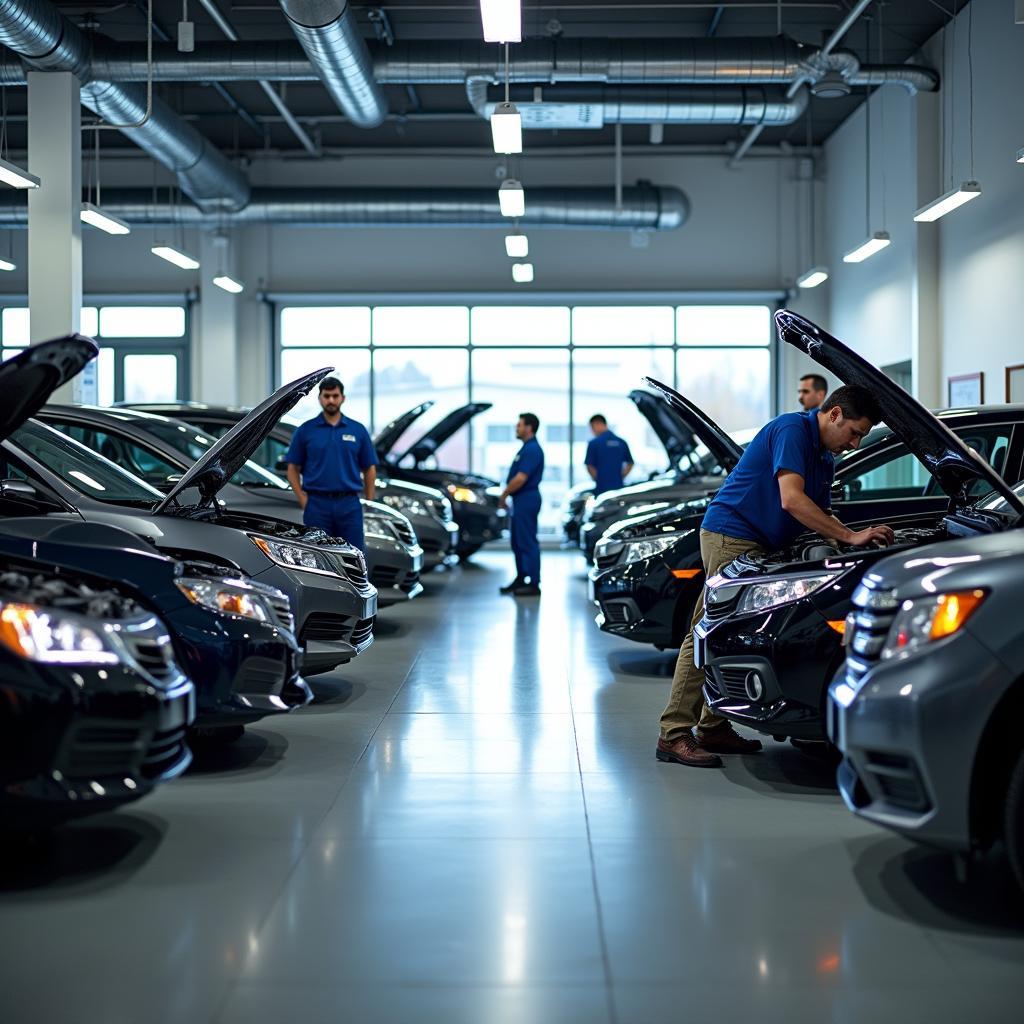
[(479, 524), (117, 738), (909, 732), (440, 544), (770, 671), (333, 617), (395, 571)]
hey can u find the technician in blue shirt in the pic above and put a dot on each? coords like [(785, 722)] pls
[(331, 462), (608, 458), (780, 487), (523, 487)]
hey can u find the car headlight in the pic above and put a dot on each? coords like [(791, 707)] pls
[(606, 548), (463, 494), (934, 617), (406, 504), (646, 547), (232, 597), (42, 634), (303, 557), (759, 596), (377, 528)]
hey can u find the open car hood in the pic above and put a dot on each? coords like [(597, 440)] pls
[(680, 425), (227, 456), (954, 466), (28, 379), (387, 437), (436, 436)]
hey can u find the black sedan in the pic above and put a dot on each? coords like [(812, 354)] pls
[(770, 640), (648, 573), (93, 707)]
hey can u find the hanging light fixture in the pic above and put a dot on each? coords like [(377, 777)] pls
[(1020, 156), (7, 264), (92, 212), (517, 245), (506, 122), (502, 21), (812, 278), (947, 203), (17, 177), (876, 243), (175, 256), (512, 198), (522, 273), (222, 279)]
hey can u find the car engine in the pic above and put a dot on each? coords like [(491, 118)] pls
[(54, 590)]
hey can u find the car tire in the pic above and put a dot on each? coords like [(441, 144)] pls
[(1013, 821)]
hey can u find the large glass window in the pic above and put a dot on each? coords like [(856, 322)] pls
[(562, 362)]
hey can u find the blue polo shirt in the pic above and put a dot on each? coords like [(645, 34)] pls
[(331, 458), (529, 460), (749, 505), (607, 453)]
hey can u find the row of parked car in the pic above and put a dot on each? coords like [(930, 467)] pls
[(908, 659), (158, 589)]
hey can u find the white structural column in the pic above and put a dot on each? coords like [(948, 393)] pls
[(54, 227), (926, 339), (215, 334)]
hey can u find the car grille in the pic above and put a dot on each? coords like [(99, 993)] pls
[(165, 749), (282, 611), (384, 576), (362, 632), (441, 509), (353, 565), (96, 749), (898, 779), (731, 682), (153, 654), (403, 531), (410, 582), (430, 547), (714, 611), (873, 616), (326, 627), (607, 561), (616, 614)]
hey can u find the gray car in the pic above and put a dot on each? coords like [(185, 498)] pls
[(927, 708), (160, 450), (44, 472)]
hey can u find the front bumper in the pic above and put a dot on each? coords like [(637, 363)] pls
[(479, 523), (910, 731), (333, 616), (440, 543), (770, 671), (87, 741), (394, 570)]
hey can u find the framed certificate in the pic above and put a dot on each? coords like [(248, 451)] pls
[(967, 389)]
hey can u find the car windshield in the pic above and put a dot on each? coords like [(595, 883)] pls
[(81, 468), (996, 502), (195, 443)]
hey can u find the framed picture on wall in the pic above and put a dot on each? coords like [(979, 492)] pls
[(1015, 383), (967, 389)]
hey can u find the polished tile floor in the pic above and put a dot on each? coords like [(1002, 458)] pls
[(469, 827)]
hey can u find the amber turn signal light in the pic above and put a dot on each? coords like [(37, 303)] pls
[(839, 625), (686, 574), (953, 611)]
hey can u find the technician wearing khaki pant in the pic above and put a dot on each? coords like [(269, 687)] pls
[(781, 486)]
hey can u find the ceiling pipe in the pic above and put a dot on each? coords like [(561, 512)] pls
[(47, 41), (644, 207), (327, 31), (589, 107)]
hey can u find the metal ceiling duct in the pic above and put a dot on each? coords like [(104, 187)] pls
[(327, 31), (49, 42), (582, 107), (643, 207)]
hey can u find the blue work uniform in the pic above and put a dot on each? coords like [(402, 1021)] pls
[(749, 504), (607, 453), (332, 460), (525, 509)]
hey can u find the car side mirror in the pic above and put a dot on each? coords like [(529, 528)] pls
[(11, 488)]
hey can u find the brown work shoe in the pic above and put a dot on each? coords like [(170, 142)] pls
[(685, 750), (724, 739)]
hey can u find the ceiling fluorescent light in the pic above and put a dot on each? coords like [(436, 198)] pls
[(517, 246), (92, 214), (8, 265), (812, 278), (1020, 156), (512, 198), (522, 273), (502, 20), (876, 243), (175, 256), (229, 284), (953, 199), (507, 129), (17, 177)]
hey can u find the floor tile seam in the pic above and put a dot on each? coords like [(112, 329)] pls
[(613, 1016), (232, 983)]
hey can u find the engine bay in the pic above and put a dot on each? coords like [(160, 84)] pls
[(55, 590)]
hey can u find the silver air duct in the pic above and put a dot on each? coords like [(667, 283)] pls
[(48, 41), (568, 107), (328, 33), (644, 207)]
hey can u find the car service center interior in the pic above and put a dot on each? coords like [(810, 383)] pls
[(511, 512)]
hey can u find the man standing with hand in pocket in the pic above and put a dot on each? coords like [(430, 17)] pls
[(331, 463), (523, 486)]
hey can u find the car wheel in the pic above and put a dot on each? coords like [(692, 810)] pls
[(1013, 821)]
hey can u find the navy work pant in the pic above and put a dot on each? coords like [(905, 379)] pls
[(339, 517), (525, 509)]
